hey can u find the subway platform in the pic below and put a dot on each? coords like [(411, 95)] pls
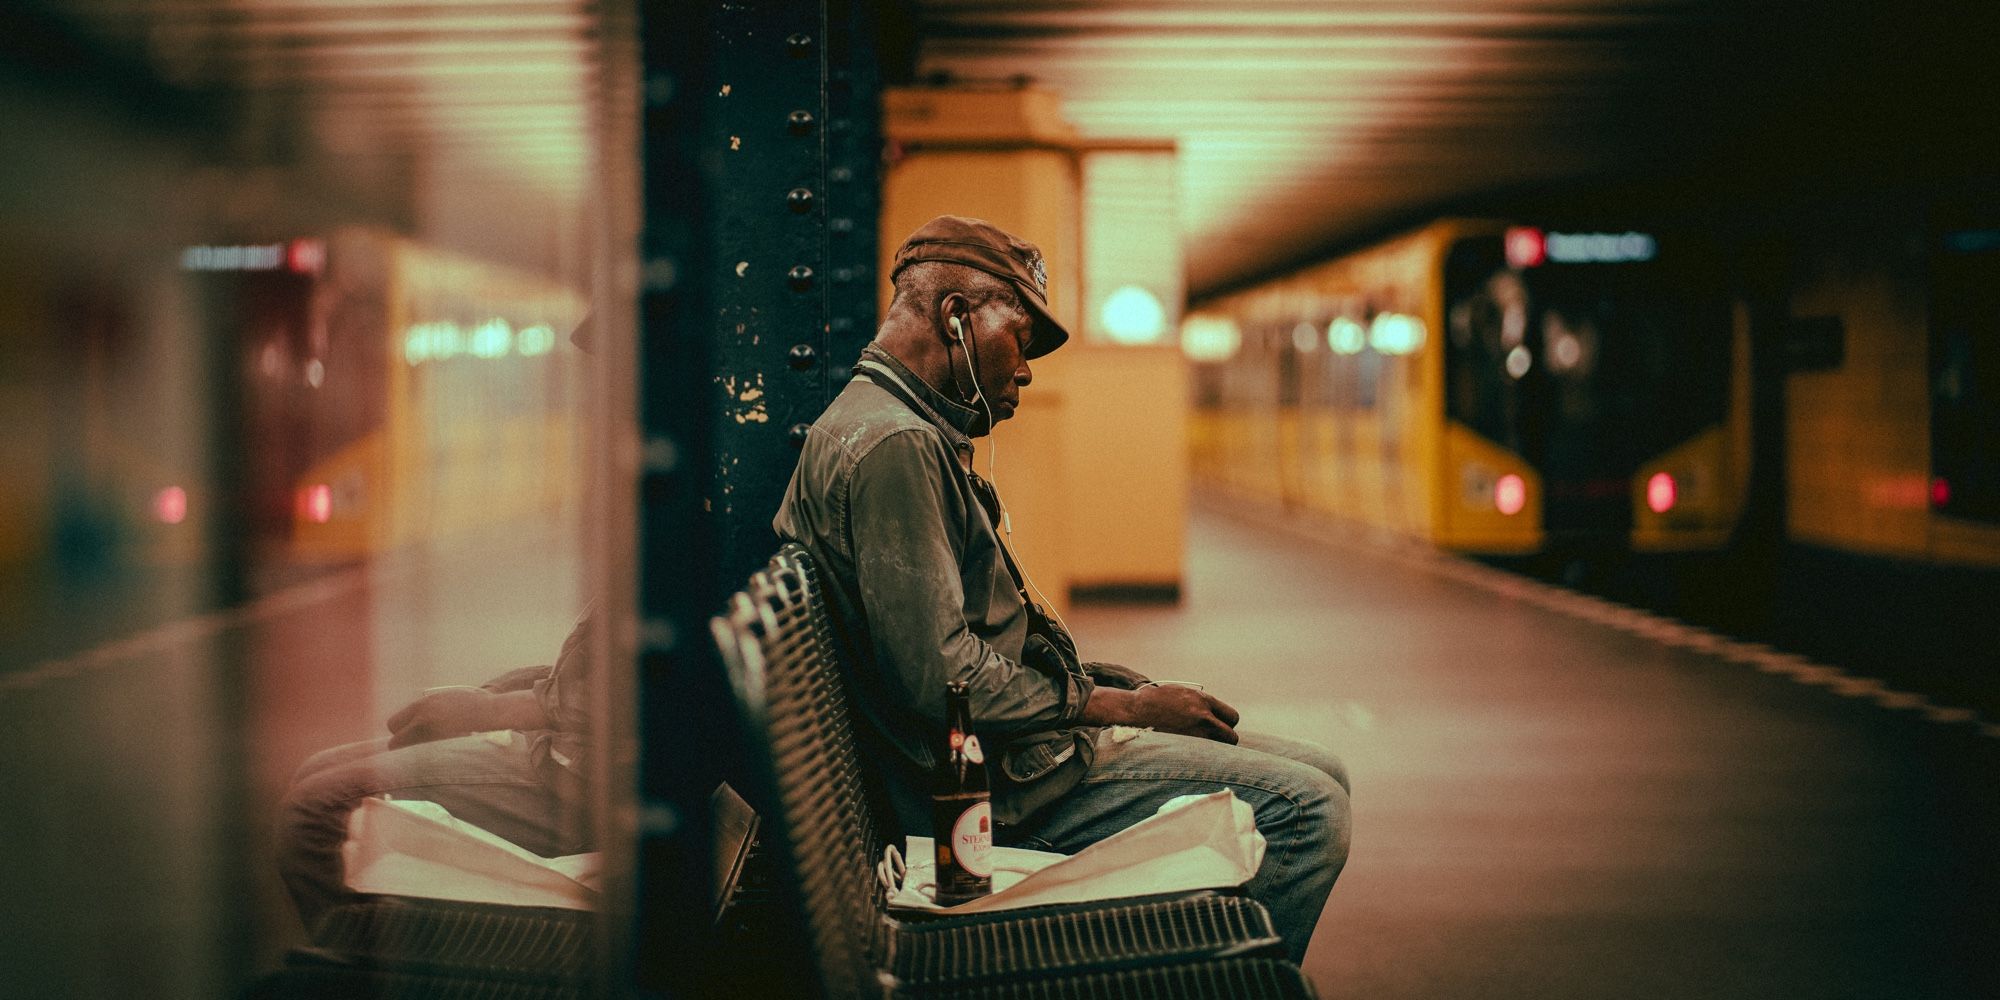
[(1555, 796)]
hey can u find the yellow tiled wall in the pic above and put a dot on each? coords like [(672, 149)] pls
[(1858, 458), (1093, 467)]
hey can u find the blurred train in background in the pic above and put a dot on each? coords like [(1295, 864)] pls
[(1487, 388), (388, 395), (1786, 429), (404, 395)]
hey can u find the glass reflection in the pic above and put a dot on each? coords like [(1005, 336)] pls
[(298, 481)]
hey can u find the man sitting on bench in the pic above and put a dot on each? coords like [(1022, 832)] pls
[(907, 536), (507, 757)]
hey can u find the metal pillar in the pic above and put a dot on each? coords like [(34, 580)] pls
[(854, 182), (680, 686), (752, 306), (769, 125)]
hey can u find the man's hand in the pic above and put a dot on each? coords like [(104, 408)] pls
[(1167, 708), (441, 713)]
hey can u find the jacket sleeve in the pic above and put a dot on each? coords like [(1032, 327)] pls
[(908, 527), (564, 693)]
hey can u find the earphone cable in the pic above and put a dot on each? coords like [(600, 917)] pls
[(966, 343)]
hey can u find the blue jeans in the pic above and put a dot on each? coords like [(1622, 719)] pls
[(490, 780), (1298, 791)]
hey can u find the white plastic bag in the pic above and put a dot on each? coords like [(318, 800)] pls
[(413, 848), (1192, 842)]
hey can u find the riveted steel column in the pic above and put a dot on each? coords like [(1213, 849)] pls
[(681, 688), (732, 333), (771, 275), (854, 182)]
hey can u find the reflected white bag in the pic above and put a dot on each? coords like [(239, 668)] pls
[(413, 848), (1192, 842)]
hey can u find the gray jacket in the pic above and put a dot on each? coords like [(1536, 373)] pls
[(885, 498)]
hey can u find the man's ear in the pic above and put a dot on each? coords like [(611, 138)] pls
[(954, 312)]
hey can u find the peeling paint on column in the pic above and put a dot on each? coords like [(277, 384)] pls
[(744, 400)]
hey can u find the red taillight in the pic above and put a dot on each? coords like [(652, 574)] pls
[(1510, 494), (1940, 491), (1661, 493), (170, 505), (316, 503)]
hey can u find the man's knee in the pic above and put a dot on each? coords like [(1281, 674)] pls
[(1324, 761), (335, 757), (1318, 789), (312, 815)]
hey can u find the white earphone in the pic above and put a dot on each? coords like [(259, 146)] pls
[(958, 336)]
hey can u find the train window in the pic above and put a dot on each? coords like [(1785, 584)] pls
[(1486, 320), (1965, 375)]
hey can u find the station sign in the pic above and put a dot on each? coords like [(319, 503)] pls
[(1527, 246)]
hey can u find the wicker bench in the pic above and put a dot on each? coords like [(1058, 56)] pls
[(821, 831), (396, 946)]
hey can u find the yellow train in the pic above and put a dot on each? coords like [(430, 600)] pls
[(455, 410), (384, 393), (1487, 387)]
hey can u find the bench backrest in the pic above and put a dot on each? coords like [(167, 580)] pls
[(778, 644)]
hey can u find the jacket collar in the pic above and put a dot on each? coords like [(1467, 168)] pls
[(955, 419)]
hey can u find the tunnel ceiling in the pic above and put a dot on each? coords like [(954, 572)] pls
[(500, 90), (1302, 125), (1306, 125)]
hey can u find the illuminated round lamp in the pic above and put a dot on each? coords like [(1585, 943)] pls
[(1210, 338), (1510, 494), (1346, 336), (170, 505), (1305, 337), (417, 344), (1395, 333), (535, 341), (316, 503), (1661, 493), (1132, 315)]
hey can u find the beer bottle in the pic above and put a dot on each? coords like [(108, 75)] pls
[(962, 808)]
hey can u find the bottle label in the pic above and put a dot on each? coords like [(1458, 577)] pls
[(972, 751), (972, 840)]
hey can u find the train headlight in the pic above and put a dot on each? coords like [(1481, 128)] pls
[(1510, 494), (1661, 493)]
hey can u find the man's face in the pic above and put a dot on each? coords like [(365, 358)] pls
[(1000, 335)]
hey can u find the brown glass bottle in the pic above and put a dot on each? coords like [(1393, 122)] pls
[(962, 808)]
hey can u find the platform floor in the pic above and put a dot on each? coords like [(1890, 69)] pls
[(1550, 802), (1553, 797)]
